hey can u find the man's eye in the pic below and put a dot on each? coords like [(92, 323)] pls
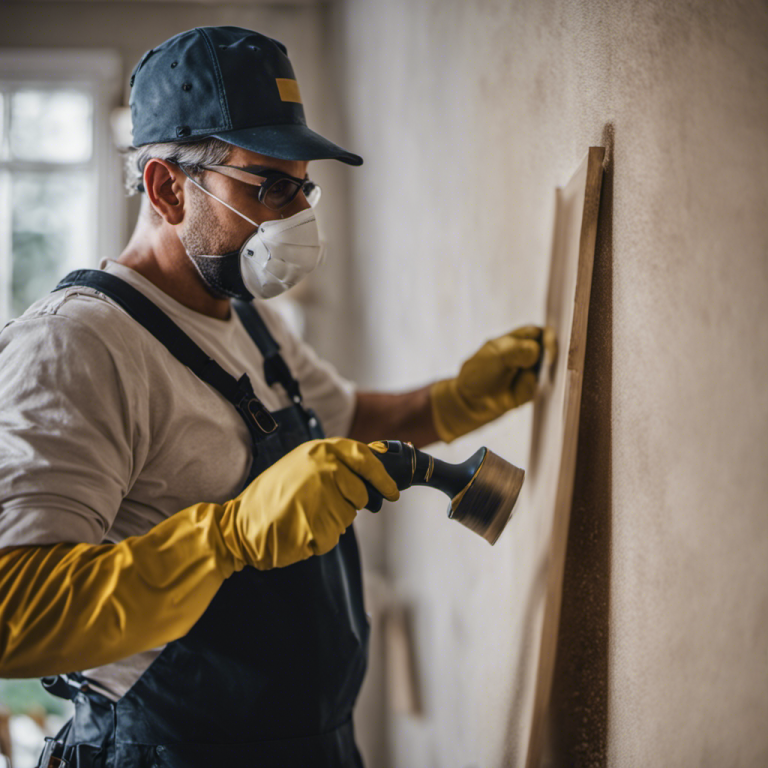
[(280, 192)]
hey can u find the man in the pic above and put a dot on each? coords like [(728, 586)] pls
[(173, 523)]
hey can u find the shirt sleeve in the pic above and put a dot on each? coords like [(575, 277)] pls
[(323, 388), (66, 458)]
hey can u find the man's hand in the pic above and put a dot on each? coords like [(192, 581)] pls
[(301, 505), (77, 606), (497, 378)]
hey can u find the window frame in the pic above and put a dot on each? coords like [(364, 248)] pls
[(99, 72)]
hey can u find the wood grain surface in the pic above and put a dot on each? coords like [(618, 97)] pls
[(556, 417)]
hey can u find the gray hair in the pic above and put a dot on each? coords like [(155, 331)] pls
[(207, 151)]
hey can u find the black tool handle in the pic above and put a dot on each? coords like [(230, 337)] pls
[(409, 466), (398, 461)]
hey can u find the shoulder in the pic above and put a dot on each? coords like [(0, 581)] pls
[(73, 334), (74, 315)]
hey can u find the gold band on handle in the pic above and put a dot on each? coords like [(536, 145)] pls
[(413, 461), (430, 469)]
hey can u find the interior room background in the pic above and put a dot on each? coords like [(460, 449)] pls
[(468, 115)]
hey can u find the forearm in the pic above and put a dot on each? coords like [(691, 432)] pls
[(386, 416), (69, 607)]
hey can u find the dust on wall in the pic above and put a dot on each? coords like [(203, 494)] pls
[(468, 115)]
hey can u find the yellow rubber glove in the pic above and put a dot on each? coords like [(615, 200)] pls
[(70, 607), (310, 498), (497, 378)]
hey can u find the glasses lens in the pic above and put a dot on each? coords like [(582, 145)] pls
[(279, 193), (312, 192)]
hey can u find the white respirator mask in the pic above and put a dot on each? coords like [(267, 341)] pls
[(277, 256)]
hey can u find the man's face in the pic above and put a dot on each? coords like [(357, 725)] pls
[(210, 228)]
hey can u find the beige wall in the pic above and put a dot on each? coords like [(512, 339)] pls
[(468, 115)]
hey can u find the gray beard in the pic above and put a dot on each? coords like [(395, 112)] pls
[(222, 276), (215, 256)]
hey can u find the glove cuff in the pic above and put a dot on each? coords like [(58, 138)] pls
[(452, 415)]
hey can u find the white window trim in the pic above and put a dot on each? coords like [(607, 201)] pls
[(99, 72)]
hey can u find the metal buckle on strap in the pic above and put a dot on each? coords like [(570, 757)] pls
[(259, 415), (52, 754), (57, 685), (253, 411), (64, 686), (255, 414)]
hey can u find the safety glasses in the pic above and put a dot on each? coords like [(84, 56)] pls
[(276, 189)]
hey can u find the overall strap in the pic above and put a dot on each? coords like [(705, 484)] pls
[(239, 392), (275, 368)]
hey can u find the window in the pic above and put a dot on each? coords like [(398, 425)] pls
[(61, 207), (60, 196)]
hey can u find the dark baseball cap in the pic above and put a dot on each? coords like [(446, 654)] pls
[(230, 83)]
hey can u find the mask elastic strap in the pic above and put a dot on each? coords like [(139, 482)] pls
[(210, 194)]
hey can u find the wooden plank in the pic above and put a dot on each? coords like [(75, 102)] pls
[(402, 685), (550, 473)]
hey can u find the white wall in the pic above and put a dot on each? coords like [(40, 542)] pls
[(468, 115)]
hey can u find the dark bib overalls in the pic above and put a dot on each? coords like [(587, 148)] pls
[(268, 676)]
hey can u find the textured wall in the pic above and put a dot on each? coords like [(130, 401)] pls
[(468, 115)]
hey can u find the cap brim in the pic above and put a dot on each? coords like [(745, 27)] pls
[(288, 142)]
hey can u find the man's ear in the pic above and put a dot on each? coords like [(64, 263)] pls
[(164, 183)]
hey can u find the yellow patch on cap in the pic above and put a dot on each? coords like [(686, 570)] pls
[(289, 89)]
